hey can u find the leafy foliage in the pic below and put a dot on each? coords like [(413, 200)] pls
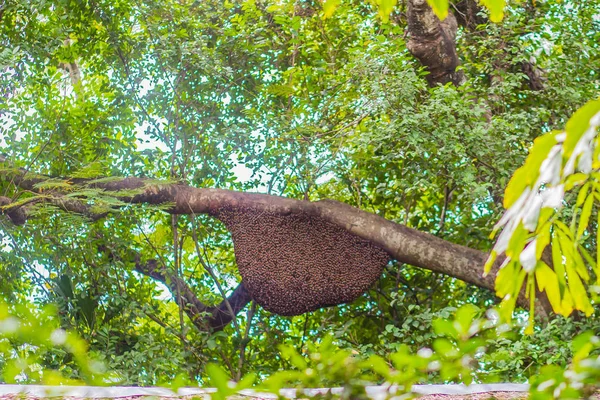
[(309, 100), (33, 348)]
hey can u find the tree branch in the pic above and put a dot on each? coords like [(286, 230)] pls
[(402, 243), (433, 43), (405, 244), (202, 316)]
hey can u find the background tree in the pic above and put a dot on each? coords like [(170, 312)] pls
[(285, 98)]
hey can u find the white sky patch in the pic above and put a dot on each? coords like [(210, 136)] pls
[(165, 294), (226, 99), (326, 177), (145, 141), (241, 172), (244, 174)]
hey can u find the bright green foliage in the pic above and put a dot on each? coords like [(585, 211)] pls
[(309, 100), (495, 7), (580, 380), (34, 349), (440, 7), (219, 379), (559, 162)]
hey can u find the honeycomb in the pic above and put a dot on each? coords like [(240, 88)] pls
[(296, 263)]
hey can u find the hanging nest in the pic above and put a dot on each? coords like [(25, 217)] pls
[(295, 263)]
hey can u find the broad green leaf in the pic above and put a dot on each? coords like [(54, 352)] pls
[(517, 242), (579, 265), (527, 175), (292, 355), (578, 292), (505, 282), (578, 124), (545, 214), (586, 212), (588, 257), (531, 294), (517, 184), (582, 345), (547, 281), (490, 262), (246, 382), (439, 7), (444, 327), (219, 379), (445, 348), (385, 8), (564, 229), (557, 261), (581, 196), (543, 239), (574, 180), (465, 316), (496, 8), (329, 7)]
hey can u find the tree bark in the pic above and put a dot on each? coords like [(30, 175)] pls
[(405, 244), (204, 317), (433, 43)]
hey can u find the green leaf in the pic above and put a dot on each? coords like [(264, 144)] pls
[(385, 8), (586, 212), (578, 292), (517, 242), (465, 316), (246, 382), (445, 348), (582, 345), (445, 328), (329, 8), (439, 7), (219, 379), (547, 281), (574, 180), (527, 175), (581, 196), (490, 262), (542, 240), (289, 353), (578, 124), (496, 8), (505, 282)]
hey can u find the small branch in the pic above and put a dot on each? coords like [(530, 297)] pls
[(204, 317), (245, 340), (212, 274)]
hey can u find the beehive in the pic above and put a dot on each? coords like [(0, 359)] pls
[(295, 263)]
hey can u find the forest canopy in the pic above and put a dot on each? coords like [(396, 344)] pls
[(137, 136)]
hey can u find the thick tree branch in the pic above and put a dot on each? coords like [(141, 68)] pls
[(433, 43), (468, 14), (16, 215), (401, 242), (202, 316)]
